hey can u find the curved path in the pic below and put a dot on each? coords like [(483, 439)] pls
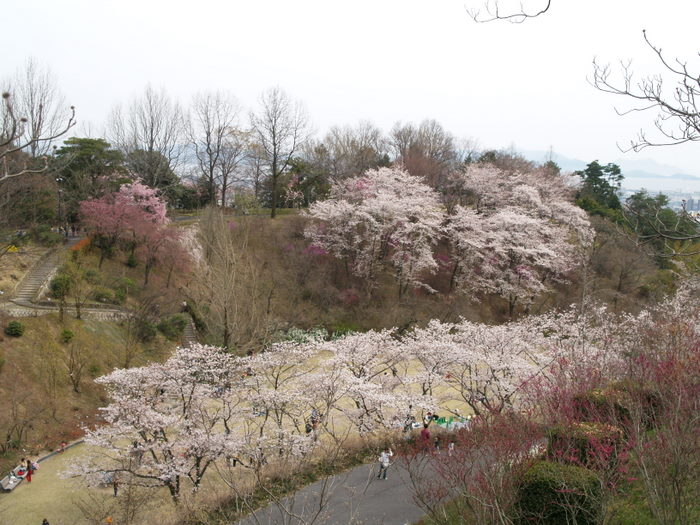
[(353, 497)]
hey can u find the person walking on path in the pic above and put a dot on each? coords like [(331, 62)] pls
[(384, 462)]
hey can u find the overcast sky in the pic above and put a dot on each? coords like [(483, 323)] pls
[(521, 85)]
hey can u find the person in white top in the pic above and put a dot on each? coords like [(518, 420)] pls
[(384, 462)]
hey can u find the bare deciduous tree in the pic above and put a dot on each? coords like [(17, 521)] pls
[(30, 120), (426, 150), (231, 284), (151, 127), (353, 150), (75, 359), (281, 128), (219, 143)]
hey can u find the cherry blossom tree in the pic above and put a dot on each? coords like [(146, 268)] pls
[(384, 217), (166, 421), (516, 234), (371, 378), (158, 244), (121, 214)]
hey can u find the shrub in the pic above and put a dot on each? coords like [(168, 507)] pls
[(125, 284), (647, 400), (608, 405), (343, 328), (67, 336), (60, 286), (92, 276), (132, 262), (145, 330), (349, 297), (590, 444), (173, 326), (44, 235), (199, 323), (14, 329), (103, 295), (82, 245), (618, 404), (553, 493), (95, 370), (119, 296)]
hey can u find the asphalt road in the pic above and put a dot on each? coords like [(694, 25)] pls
[(355, 497)]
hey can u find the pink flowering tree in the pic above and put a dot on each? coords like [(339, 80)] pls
[(159, 244), (384, 217), (119, 215), (516, 234)]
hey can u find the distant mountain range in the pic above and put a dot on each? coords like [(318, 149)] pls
[(638, 173)]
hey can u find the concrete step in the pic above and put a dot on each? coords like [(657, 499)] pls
[(37, 276), (189, 335)]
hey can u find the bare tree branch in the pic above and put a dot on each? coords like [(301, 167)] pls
[(677, 120), (491, 10), (13, 140)]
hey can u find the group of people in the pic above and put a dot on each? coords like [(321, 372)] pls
[(71, 230), (426, 441), (25, 469)]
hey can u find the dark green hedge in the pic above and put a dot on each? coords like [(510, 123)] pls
[(555, 494), (14, 329)]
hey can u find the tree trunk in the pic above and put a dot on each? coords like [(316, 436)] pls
[(227, 334), (170, 273), (454, 275), (147, 273), (273, 211)]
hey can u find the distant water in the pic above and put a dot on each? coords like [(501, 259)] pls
[(660, 184)]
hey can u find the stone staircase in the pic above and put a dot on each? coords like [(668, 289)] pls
[(29, 288), (189, 335)]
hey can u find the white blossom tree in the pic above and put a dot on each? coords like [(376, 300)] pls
[(517, 234), (166, 422), (385, 217)]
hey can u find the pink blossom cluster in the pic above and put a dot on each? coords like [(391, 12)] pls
[(514, 236)]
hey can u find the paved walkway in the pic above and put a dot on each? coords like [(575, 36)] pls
[(354, 497)]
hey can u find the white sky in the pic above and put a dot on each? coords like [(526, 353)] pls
[(383, 60)]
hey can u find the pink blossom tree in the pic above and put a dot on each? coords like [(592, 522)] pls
[(118, 215), (384, 217), (516, 235)]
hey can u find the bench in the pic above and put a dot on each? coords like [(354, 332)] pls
[(14, 478)]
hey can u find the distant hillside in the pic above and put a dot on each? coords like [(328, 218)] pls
[(639, 173)]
